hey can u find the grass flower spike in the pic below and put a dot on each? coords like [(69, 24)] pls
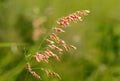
[(56, 45)]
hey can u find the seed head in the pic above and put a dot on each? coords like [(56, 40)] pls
[(49, 41), (73, 47), (35, 74), (66, 47), (28, 67), (58, 30)]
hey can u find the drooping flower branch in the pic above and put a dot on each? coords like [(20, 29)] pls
[(55, 43)]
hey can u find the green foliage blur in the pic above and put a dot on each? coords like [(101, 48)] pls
[(97, 39)]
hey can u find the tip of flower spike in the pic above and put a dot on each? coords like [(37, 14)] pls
[(80, 18), (87, 11)]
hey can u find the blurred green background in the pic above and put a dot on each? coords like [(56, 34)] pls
[(97, 39)]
